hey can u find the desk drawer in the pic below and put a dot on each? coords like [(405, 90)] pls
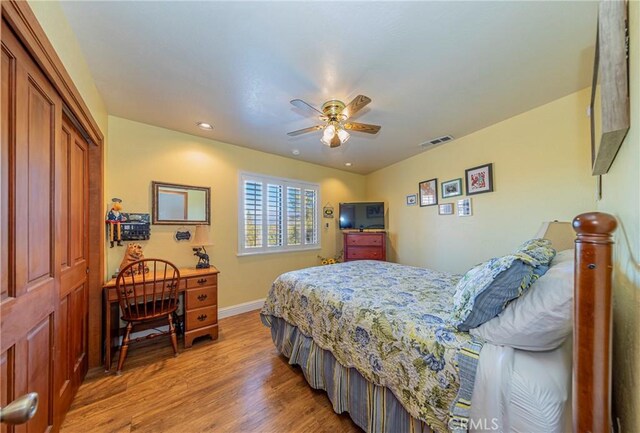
[(207, 280), (201, 317), (148, 289), (364, 253), (202, 297), (365, 239)]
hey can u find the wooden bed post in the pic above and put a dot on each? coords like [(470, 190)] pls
[(592, 323)]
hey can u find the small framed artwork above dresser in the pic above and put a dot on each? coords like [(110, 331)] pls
[(365, 246)]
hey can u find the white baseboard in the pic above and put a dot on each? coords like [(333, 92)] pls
[(245, 307)]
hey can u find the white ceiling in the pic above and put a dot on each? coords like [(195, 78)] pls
[(431, 68)]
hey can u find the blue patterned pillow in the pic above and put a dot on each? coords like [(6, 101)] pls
[(486, 289)]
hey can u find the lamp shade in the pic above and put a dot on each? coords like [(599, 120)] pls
[(561, 234), (202, 236)]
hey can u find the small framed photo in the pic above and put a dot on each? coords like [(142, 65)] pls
[(327, 211), (428, 191), (412, 200), (445, 209), (464, 207), (479, 179), (452, 188)]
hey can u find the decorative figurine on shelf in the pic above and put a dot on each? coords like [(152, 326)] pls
[(133, 254), (114, 219), (203, 258)]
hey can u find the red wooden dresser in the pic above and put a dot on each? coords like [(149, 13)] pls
[(365, 246)]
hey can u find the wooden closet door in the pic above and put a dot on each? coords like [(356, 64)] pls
[(31, 128), (72, 187)]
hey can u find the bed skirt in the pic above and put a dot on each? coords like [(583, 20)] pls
[(373, 408)]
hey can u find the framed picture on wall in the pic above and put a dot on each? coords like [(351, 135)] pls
[(479, 179), (452, 188), (464, 207), (445, 209), (428, 191), (412, 200)]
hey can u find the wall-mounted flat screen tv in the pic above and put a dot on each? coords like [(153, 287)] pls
[(362, 216)]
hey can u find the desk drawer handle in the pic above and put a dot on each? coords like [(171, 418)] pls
[(202, 317), (202, 281), (202, 297)]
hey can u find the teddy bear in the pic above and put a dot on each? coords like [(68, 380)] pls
[(133, 254)]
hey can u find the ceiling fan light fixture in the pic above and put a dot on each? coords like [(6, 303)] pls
[(333, 115), (329, 132), (343, 135)]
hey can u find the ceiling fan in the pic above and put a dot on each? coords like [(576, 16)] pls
[(335, 114)]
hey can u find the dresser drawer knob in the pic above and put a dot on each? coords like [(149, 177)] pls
[(202, 281), (202, 317), (202, 297)]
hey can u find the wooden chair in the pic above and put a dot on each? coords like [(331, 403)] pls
[(147, 290)]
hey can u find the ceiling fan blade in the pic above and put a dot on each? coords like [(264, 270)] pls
[(358, 103), (362, 127), (299, 103), (335, 141), (304, 131)]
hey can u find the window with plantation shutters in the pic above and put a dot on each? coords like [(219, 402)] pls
[(277, 215)]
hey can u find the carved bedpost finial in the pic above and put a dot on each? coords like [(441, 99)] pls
[(592, 322), (594, 224)]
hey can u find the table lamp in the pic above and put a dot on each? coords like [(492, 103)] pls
[(560, 233), (201, 238)]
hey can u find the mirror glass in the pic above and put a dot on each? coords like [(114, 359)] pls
[(180, 204)]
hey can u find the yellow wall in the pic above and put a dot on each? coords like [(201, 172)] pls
[(541, 162), (141, 153), (621, 197)]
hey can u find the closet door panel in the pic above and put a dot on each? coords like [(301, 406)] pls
[(71, 361), (7, 92), (31, 117)]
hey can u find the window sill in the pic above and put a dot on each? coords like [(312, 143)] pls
[(297, 250)]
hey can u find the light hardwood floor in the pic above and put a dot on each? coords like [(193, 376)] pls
[(238, 383)]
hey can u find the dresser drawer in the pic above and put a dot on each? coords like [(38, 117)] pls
[(364, 253), (365, 239), (148, 289), (201, 297), (207, 280), (201, 317)]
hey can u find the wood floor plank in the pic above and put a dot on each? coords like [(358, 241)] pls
[(238, 383)]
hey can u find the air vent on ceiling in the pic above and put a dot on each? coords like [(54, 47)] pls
[(436, 141)]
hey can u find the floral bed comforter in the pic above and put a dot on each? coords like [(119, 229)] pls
[(388, 321)]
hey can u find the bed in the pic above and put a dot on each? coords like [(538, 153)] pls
[(377, 338)]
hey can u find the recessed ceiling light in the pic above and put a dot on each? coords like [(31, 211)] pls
[(348, 164), (204, 125), (295, 152)]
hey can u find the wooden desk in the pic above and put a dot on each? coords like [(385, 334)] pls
[(200, 288)]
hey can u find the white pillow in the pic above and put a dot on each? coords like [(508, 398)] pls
[(539, 320), (563, 256)]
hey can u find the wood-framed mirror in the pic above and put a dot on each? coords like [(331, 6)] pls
[(176, 204)]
